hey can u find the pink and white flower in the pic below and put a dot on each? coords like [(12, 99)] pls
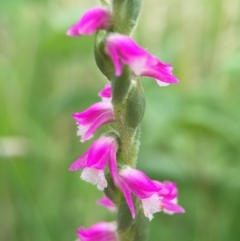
[(130, 180), (107, 203), (123, 49), (102, 231), (103, 151), (95, 116), (155, 196), (92, 20)]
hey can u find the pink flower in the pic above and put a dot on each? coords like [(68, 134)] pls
[(123, 49), (155, 196), (106, 202), (94, 19), (106, 93), (103, 151), (94, 117), (134, 181), (102, 231)]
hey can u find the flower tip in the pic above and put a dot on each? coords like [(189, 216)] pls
[(118, 73), (150, 217), (182, 210), (162, 84), (72, 168), (106, 93), (84, 137), (107, 203), (82, 140), (175, 81), (70, 32)]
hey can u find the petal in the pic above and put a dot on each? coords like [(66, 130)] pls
[(111, 51), (89, 115), (162, 191), (102, 231), (138, 66), (172, 191), (151, 205), (79, 163), (94, 176), (113, 161), (91, 21), (161, 83), (126, 49), (154, 61), (106, 93), (93, 118), (139, 183), (127, 194), (106, 202), (171, 207), (102, 119), (82, 132), (99, 152), (161, 75)]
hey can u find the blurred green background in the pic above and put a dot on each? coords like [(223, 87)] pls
[(190, 132)]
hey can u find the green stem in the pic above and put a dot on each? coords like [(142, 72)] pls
[(129, 229), (129, 105), (126, 103)]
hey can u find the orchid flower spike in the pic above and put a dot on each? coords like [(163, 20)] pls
[(102, 231), (92, 20), (123, 49), (103, 151)]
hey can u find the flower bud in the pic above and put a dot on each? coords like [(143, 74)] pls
[(128, 99), (135, 106), (125, 14), (103, 61)]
